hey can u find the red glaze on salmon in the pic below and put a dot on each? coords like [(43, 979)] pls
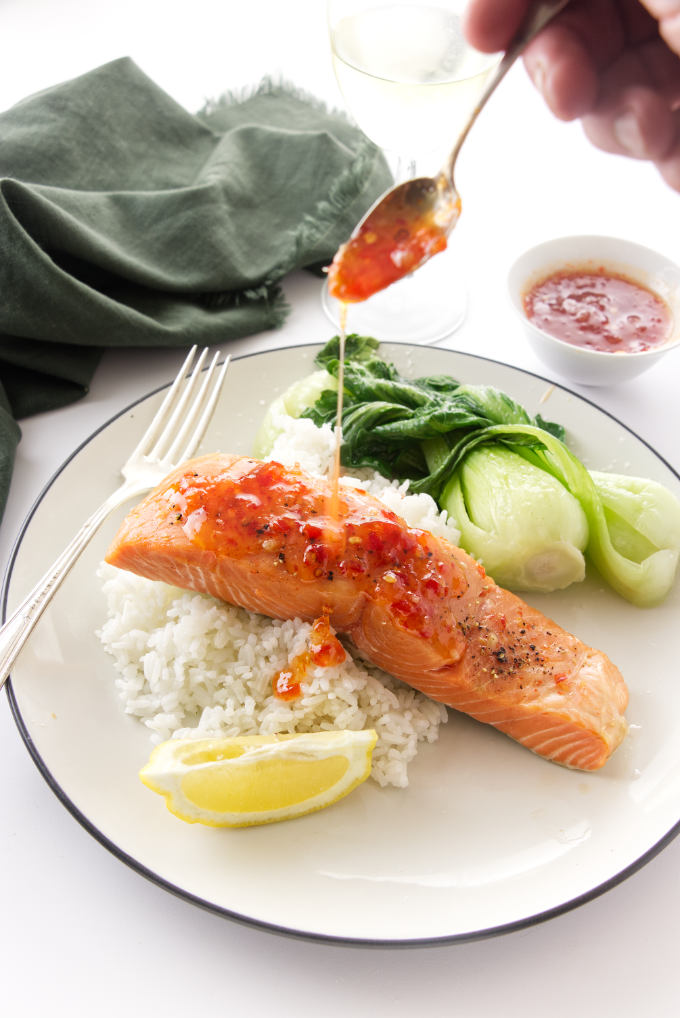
[(259, 535)]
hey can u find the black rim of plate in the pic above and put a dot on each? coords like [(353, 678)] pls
[(308, 935)]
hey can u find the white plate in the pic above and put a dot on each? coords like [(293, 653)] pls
[(486, 838)]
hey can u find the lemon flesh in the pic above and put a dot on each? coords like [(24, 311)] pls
[(247, 780)]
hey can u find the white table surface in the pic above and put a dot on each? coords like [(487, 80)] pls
[(80, 932)]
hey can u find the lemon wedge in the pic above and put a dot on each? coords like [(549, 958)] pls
[(257, 779)]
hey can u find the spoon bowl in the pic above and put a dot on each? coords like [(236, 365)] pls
[(412, 221), (405, 227)]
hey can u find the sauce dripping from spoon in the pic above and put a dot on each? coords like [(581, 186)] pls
[(405, 229), (412, 221), (335, 476), (333, 535)]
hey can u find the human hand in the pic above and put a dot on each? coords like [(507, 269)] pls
[(615, 64)]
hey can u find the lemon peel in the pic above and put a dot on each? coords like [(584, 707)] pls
[(248, 780)]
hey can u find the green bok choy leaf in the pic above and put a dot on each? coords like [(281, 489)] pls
[(526, 507)]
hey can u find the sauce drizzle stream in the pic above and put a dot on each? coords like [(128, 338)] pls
[(335, 475)]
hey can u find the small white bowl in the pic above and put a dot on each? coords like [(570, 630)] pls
[(640, 264)]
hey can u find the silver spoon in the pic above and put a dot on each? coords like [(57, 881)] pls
[(411, 222)]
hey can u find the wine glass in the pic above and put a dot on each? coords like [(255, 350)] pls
[(409, 80)]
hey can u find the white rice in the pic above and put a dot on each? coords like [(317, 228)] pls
[(189, 666)]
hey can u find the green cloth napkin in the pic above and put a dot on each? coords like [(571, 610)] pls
[(126, 221)]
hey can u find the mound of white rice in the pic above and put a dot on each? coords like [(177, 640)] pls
[(190, 666)]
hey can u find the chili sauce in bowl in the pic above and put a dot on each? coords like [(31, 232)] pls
[(598, 310)]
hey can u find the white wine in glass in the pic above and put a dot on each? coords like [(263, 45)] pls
[(409, 80)]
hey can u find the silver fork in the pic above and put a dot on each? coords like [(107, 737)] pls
[(172, 437)]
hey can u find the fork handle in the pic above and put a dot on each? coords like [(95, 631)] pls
[(20, 624)]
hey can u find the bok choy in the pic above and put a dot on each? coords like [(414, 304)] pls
[(292, 403), (525, 505), (494, 487)]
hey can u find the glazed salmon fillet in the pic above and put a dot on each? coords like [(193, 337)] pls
[(260, 535)]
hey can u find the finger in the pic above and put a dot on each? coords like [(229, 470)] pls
[(563, 71), (667, 13), (489, 25), (639, 123), (662, 69), (669, 167)]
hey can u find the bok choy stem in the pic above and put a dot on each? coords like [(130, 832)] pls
[(424, 430)]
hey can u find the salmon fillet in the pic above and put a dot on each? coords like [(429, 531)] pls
[(260, 535)]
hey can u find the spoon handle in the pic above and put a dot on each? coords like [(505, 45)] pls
[(536, 20)]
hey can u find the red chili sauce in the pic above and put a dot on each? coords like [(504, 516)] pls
[(599, 310), (403, 232), (266, 508), (325, 650)]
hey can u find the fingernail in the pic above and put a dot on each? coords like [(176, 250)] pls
[(537, 72), (628, 134)]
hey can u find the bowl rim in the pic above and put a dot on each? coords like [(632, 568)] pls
[(517, 288)]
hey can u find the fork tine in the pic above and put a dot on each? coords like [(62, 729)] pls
[(177, 413), (198, 415), (180, 436), (210, 402), (159, 419)]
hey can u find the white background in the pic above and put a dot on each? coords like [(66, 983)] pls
[(80, 933)]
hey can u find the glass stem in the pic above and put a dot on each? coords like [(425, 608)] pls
[(403, 167)]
